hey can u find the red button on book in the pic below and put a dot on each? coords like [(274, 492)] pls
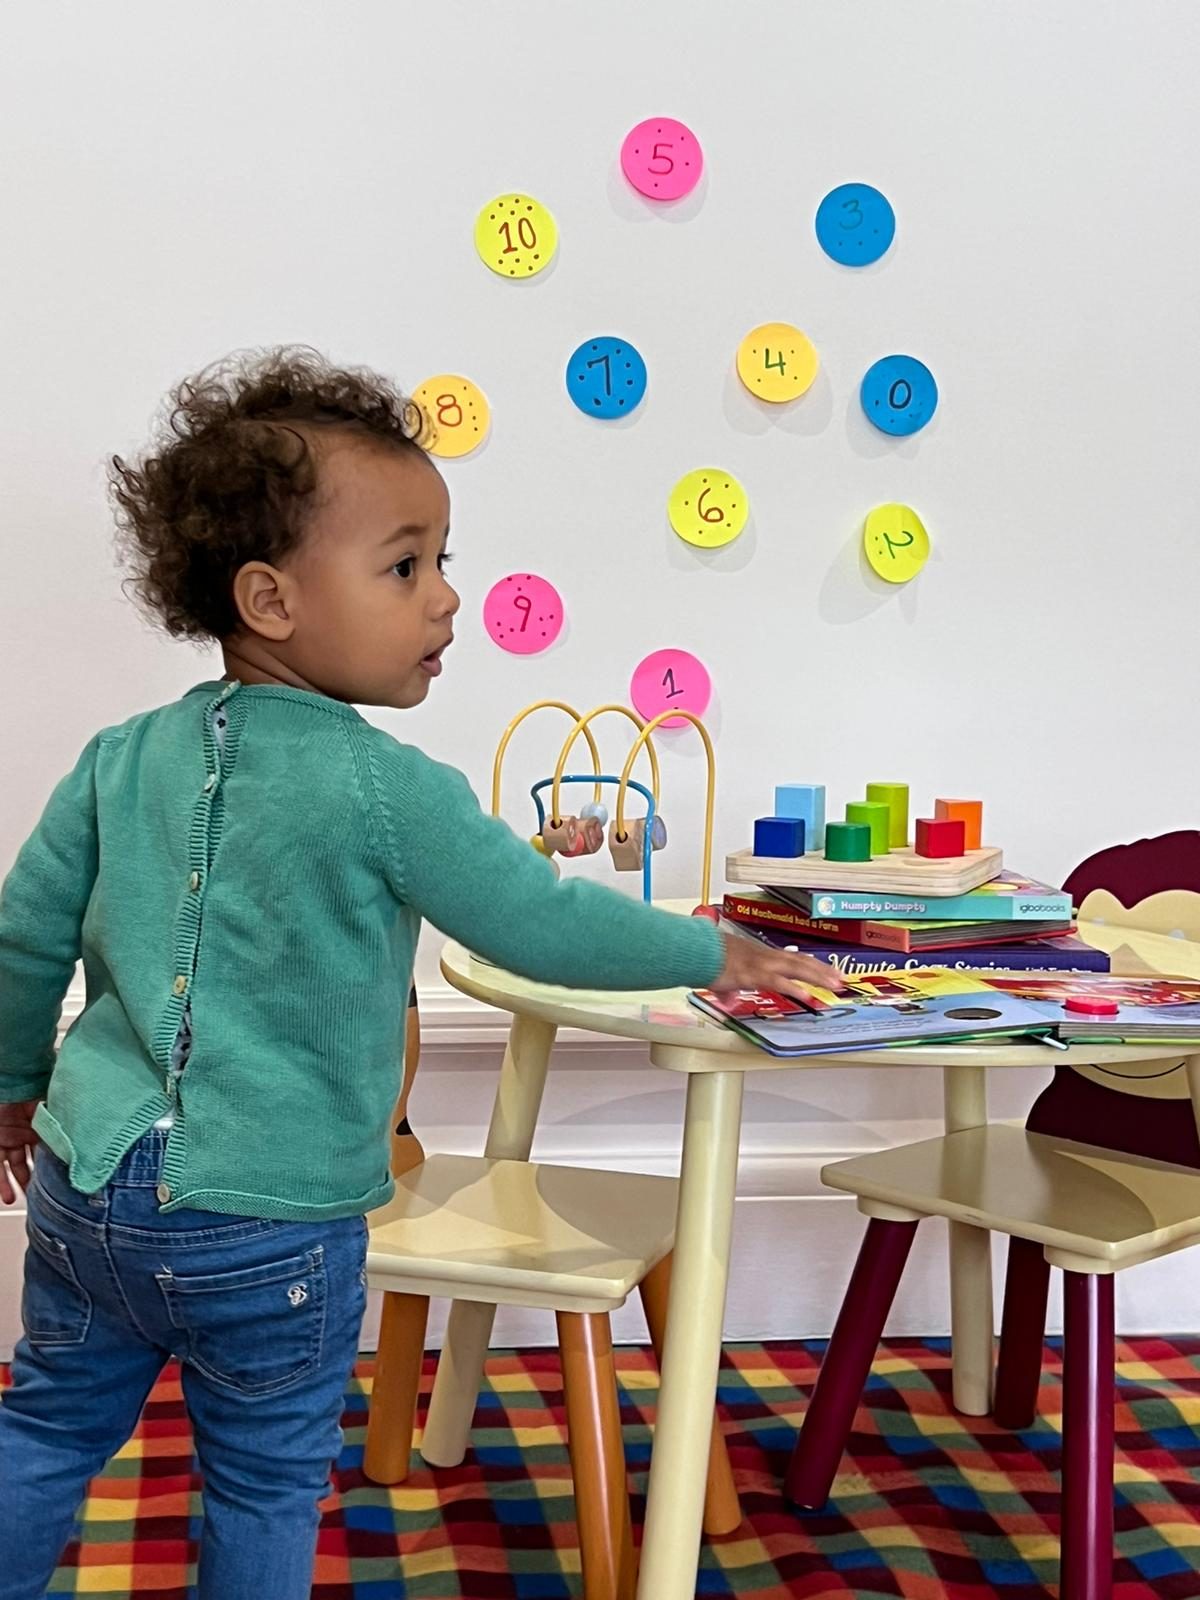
[(1091, 1005)]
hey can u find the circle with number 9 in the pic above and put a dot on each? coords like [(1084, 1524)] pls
[(457, 415), (670, 680), (777, 362), (708, 508), (516, 236), (855, 224), (895, 542), (523, 614), (606, 377), (899, 395), (662, 158)]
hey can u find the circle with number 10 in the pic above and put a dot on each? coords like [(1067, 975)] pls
[(662, 159), (516, 236), (777, 362), (895, 542), (708, 508), (606, 377)]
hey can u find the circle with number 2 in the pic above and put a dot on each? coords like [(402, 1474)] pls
[(523, 613), (662, 158), (670, 680), (516, 236), (777, 362), (457, 415), (708, 508), (895, 542)]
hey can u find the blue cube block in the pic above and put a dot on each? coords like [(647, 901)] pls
[(807, 801), (779, 836)]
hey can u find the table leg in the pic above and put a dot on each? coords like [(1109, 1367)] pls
[(682, 1432), (971, 1316), (469, 1329)]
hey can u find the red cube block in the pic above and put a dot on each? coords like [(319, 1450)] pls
[(939, 837)]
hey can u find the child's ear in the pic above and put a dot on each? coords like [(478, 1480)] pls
[(263, 596)]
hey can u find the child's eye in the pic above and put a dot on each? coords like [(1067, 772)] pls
[(446, 556), (405, 568)]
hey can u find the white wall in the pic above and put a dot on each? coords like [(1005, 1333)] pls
[(178, 182)]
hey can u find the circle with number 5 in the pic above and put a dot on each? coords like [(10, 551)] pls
[(606, 377), (777, 362), (662, 159), (895, 542), (708, 508), (516, 236), (899, 395), (855, 224), (670, 680), (457, 415), (523, 613)]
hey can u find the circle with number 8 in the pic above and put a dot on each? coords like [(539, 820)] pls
[(606, 377), (855, 224), (457, 415), (523, 613), (899, 395), (516, 236), (777, 362), (895, 542), (708, 508), (670, 680), (662, 159)]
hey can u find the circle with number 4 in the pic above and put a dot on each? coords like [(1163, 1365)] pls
[(777, 362), (606, 377), (899, 395), (670, 680), (895, 542), (457, 415), (523, 613), (708, 508), (662, 158), (516, 236), (855, 224)]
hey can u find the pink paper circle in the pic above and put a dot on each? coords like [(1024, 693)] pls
[(523, 614), (670, 680), (662, 159)]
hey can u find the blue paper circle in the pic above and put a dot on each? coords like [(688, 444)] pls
[(899, 395), (855, 224), (606, 377)]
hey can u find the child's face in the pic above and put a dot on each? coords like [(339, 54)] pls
[(372, 612)]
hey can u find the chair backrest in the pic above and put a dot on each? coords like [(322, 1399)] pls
[(407, 1151)]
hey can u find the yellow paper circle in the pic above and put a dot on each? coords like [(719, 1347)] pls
[(895, 542), (708, 507), (457, 415), (777, 362), (516, 236)]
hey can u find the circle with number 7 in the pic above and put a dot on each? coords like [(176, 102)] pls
[(662, 159), (457, 415), (895, 542), (606, 377), (708, 508), (777, 362)]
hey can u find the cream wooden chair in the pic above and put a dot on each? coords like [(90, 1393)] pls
[(570, 1240)]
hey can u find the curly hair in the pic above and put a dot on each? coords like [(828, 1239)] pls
[(230, 476)]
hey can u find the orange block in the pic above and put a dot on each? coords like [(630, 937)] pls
[(969, 813)]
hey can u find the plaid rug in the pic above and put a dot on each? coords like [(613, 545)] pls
[(928, 1504)]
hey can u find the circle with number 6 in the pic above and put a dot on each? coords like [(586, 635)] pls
[(662, 158), (899, 395), (523, 614), (777, 362), (895, 542), (670, 680), (606, 377), (855, 224), (457, 415), (708, 508), (516, 236)]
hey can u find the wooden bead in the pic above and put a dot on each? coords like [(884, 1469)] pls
[(627, 852), (591, 831), (562, 837), (595, 809)]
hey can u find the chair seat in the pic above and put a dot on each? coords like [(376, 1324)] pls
[(520, 1233), (1093, 1209)]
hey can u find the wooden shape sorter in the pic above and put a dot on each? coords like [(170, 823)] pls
[(899, 872)]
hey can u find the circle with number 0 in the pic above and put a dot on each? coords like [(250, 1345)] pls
[(516, 236), (457, 415), (523, 614), (895, 542), (777, 362), (708, 508), (670, 680), (662, 158), (606, 377), (855, 224), (899, 395)]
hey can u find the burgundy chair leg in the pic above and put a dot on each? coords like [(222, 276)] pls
[(1022, 1335), (1089, 1358), (847, 1363)]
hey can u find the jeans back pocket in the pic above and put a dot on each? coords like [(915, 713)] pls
[(55, 1307), (252, 1329)]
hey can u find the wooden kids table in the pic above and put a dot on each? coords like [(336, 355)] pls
[(715, 1061)]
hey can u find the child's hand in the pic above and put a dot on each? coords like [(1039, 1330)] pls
[(749, 965), (17, 1144)]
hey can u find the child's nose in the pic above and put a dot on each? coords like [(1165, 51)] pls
[(450, 600)]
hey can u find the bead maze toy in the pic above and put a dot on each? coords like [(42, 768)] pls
[(632, 841), (797, 849)]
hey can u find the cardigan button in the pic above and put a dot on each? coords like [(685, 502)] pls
[(162, 1193), (194, 881), (179, 985), (210, 783)]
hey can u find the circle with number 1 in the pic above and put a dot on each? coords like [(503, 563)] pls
[(670, 680), (777, 362), (708, 508), (662, 159)]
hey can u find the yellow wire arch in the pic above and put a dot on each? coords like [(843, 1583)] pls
[(582, 726), (540, 705), (710, 788)]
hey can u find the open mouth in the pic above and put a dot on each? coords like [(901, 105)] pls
[(432, 663)]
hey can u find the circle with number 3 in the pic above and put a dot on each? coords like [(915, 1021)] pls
[(670, 680), (662, 158), (523, 613), (899, 395), (895, 542), (606, 377), (516, 236), (777, 362), (708, 508), (855, 224), (457, 415)]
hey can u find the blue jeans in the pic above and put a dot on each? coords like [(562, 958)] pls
[(264, 1317)]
